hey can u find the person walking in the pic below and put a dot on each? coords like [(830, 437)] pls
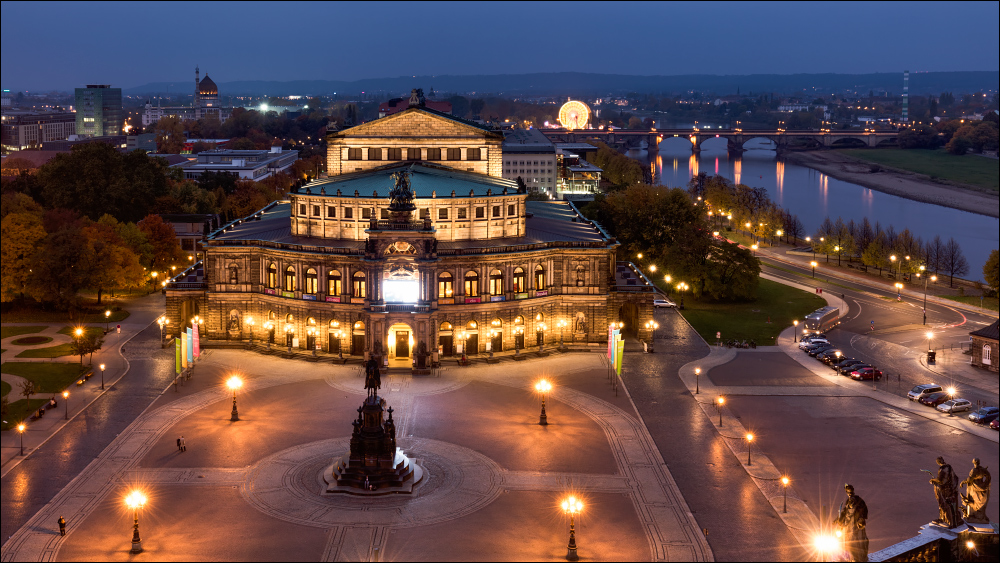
[(179, 444), (62, 526), (184, 447)]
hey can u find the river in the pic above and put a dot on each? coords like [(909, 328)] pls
[(813, 196)]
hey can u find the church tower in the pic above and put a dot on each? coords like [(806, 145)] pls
[(197, 83)]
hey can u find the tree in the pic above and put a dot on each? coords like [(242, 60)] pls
[(920, 137), (61, 266), (958, 145), (22, 234), (163, 239), (991, 271), (934, 253), (953, 262), (876, 254), (27, 388), (115, 265), (93, 343), (734, 273), (169, 135)]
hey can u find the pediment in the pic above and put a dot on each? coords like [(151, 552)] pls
[(417, 121)]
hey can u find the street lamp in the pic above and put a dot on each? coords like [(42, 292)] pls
[(784, 494), (809, 240), (932, 278), (163, 320), (899, 288), (795, 331), (66, 401), (837, 250), (681, 287), (102, 376), (892, 265), (135, 500), (543, 387), (697, 378), (572, 506), (718, 406), (951, 395), (152, 282), (250, 323), (20, 430), (813, 264), (311, 339), (753, 247), (107, 320), (78, 333), (652, 326), (234, 383), (289, 330), (749, 439), (562, 325)]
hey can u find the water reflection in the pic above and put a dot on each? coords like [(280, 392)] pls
[(812, 196)]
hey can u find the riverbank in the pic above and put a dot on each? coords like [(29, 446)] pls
[(897, 182)]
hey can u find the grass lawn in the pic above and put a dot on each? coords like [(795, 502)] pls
[(967, 169), (4, 388), (20, 410), (48, 377), (8, 331), (988, 302), (35, 315), (32, 340), (739, 321)]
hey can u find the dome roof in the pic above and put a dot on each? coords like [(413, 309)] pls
[(207, 87)]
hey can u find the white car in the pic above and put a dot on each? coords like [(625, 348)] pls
[(919, 391), (804, 343), (663, 303), (955, 405)]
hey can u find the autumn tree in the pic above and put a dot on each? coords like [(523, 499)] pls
[(22, 234), (169, 135), (991, 271), (162, 239)]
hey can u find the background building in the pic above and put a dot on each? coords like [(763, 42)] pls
[(204, 103), (29, 129), (99, 110), (248, 164), (530, 155)]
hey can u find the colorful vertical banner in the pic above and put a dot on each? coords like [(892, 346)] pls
[(177, 355), (184, 350), (611, 342), (620, 352), (190, 350), (197, 341)]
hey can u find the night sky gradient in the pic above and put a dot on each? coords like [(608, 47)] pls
[(55, 45)]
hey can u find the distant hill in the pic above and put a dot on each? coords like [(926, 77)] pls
[(581, 84)]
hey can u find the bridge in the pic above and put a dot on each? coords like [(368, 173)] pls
[(735, 138)]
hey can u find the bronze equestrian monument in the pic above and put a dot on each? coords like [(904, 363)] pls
[(374, 465)]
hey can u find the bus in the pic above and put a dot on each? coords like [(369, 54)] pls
[(822, 319)]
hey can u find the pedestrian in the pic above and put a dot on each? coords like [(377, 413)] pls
[(184, 447), (62, 526), (179, 444)]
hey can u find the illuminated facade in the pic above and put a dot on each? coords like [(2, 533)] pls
[(337, 268)]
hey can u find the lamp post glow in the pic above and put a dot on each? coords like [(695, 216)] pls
[(66, 401), (809, 240), (250, 323), (681, 287), (135, 501), (899, 288), (162, 321), (572, 506), (78, 333), (951, 395), (543, 387), (652, 326), (697, 380), (749, 439), (784, 494), (20, 430), (102, 376), (107, 320), (718, 406), (562, 325), (234, 383), (795, 331), (892, 265), (813, 264)]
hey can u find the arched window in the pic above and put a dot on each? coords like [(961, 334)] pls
[(445, 288), (312, 282), (471, 284), (290, 279), (987, 355), (496, 282), (359, 327), (289, 318), (518, 320), (358, 281), (539, 277), (445, 326), (519, 280), (334, 324), (333, 283), (271, 316), (473, 325), (272, 276)]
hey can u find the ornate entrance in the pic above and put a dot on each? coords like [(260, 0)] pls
[(402, 344)]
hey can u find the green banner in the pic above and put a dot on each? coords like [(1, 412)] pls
[(177, 355), (620, 352)]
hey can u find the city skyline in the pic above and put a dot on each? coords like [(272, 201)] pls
[(515, 38)]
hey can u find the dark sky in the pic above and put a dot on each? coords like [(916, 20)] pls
[(54, 45)]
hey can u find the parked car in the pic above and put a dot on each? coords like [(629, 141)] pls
[(847, 370), (816, 344), (978, 415), (867, 373), (845, 363), (955, 405), (933, 399), (995, 424), (830, 357), (920, 390), (810, 341), (658, 303), (819, 349)]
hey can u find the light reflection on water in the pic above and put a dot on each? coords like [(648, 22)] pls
[(812, 195)]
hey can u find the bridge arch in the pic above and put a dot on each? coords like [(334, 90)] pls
[(851, 141)]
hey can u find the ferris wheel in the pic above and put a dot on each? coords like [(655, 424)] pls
[(574, 114)]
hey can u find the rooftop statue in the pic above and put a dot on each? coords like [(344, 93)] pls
[(977, 493), (401, 197), (853, 520)]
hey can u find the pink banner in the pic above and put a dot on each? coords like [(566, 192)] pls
[(197, 341), (610, 342)]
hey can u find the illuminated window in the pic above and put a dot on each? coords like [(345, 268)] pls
[(312, 282), (519, 280), (496, 282), (272, 276), (539, 277), (358, 281), (445, 288), (471, 284), (333, 282), (290, 279)]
